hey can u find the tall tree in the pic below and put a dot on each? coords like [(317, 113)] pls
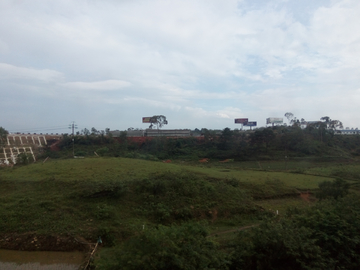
[(331, 124), (85, 131), (158, 120), (289, 116), (3, 136)]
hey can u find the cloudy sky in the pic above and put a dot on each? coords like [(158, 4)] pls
[(201, 63)]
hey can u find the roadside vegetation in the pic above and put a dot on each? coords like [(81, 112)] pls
[(275, 198)]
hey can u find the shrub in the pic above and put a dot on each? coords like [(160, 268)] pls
[(102, 151), (336, 189), (176, 247)]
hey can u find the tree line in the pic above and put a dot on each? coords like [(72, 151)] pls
[(276, 142)]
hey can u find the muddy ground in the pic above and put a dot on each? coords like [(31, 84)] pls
[(35, 242)]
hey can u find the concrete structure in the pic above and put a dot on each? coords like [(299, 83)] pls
[(23, 143), (168, 132), (347, 132)]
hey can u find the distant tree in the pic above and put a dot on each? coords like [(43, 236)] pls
[(295, 122), (225, 139), (262, 138), (3, 136), (226, 134), (85, 131), (289, 116), (331, 124), (94, 131), (196, 131), (158, 120), (326, 119), (334, 124), (209, 135)]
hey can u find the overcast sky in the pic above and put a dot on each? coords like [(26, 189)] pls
[(201, 63)]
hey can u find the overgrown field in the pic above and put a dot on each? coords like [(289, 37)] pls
[(118, 198)]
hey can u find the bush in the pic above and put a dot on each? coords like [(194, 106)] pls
[(333, 190), (24, 158), (110, 189), (80, 153), (325, 236), (276, 245), (176, 247), (102, 151)]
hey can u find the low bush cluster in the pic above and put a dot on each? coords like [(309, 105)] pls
[(326, 236)]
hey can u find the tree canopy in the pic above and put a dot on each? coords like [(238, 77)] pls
[(331, 124), (158, 120), (3, 136)]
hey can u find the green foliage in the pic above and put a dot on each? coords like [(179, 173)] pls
[(158, 120), (24, 158), (276, 245), (108, 237), (262, 143), (140, 156), (114, 197), (102, 151), (336, 227), (3, 136), (104, 211), (169, 197), (325, 236), (106, 189), (176, 247), (333, 190), (80, 153), (262, 138)]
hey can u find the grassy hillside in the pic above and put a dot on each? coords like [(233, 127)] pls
[(120, 198), (119, 195)]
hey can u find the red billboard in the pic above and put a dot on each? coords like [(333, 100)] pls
[(241, 120), (146, 119)]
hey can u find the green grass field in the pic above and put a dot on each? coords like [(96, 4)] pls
[(115, 197), (103, 169)]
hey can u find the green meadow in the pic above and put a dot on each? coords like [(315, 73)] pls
[(118, 198), (90, 194)]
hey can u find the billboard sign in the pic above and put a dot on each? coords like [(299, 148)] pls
[(146, 119), (241, 120), (274, 120), (251, 124)]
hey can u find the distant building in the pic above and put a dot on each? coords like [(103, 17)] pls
[(153, 133), (347, 132), (135, 133), (168, 132)]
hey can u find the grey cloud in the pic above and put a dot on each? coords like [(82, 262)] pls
[(100, 85), (8, 71), (139, 57)]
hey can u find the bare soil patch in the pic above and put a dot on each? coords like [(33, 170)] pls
[(35, 242)]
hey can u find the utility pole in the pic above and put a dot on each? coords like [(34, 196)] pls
[(72, 126)]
